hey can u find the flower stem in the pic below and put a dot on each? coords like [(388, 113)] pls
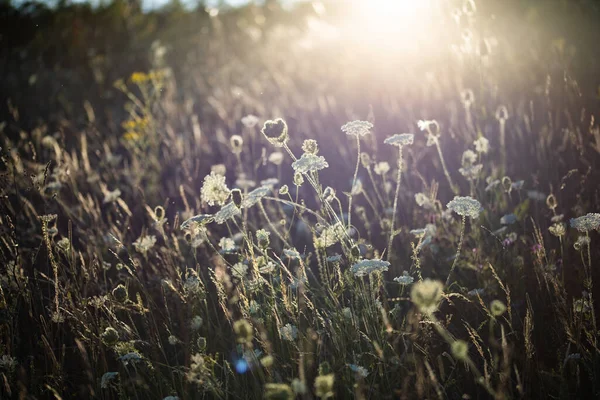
[(398, 181), (353, 183), (460, 241)]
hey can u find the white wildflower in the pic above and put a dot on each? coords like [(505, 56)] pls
[(144, 243), (482, 145), (330, 236), (366, 267), (465, 206), (130, 358), (288, 332), (357, 128), (404, 279), (227, 244), (239, 270), (468, 158), (586, 223), (309, 162), (400, 140), (382, 168), (196, 323), (426, 295), (471, 172), (214, 190), (360, 371), (228, 211), (423, 201), (250, 121), (255, 196), (276, 157)]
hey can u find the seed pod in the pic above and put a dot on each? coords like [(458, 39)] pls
[(276, 132)]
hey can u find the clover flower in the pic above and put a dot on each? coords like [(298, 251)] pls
[(400, 140), (426, 295), (309, 162), (228, 211), (276, 132), (357, 128), (288, 332), (366, 267), (255, 196), (404, 279), (214, 190), (262, 237), (465, 206), (586, 223)]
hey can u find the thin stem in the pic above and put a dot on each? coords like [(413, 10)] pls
[(460, 241), (398, 181), (439, 150), (353, 183)]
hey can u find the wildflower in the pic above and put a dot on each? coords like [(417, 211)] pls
[(309, 163), (581, 242), (492, 184), (476, 292), (518, 185), (107, 379), (482, 145), (291, 254), (310, 146), (64, 244), (508, 219), (250, 121), (381, 168), (255, 196), (243, 330), (130, 358), (173, 340), (460, 350), (144, 243), (228, 211), (214, 190), (471, 172), (468, 158), (268, 268), (433, 130), (262, 237), (276, 157), (200, 219), (426, 295), (558, 229), (239, 270), (288, 332), (227, 244), (330, 236), (196, 323), (465, 206), (400, 140), (497, 308), (284, 190), (404, 279), (120, 293), (360, 371), (423, 201), (357, 187), (329, 194), (109, 197), (366, 267), (237, 143), (298, 179), (276, 132), (278, 391), (324, 385), (586, 223), (357, 128), (298, 386)]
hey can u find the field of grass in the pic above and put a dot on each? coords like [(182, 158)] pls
[(264, 202)]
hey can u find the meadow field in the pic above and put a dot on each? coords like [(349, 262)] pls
[(328, 199)]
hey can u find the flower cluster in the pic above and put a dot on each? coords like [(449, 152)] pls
[(214, 190), (367, 267), (586, 223), (357, 128), (465, 206), (309, 162)]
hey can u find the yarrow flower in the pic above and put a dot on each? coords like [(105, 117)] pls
[(465, 206), (357, 128), (404, 279), (366, 267), (309, 162), (586, 223), (400, 140), (214, 190)]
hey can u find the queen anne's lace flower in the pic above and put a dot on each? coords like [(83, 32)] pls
[(465, 206), (255, 196), (309, 162), (404, 279), (330, 236), (357, 128), (366, 267), (586, 223), (228, 211), (214, 190), (400, 140)]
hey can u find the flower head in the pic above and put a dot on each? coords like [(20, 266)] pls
[(426, 295), (309, 162), (366, 267), (228, 211), (250, 121), (586, 223), (482, 145), (357, 128), (200, 219), (214, 190), (465, 206), (288, 332), (400, 140), (404, 279), (276, 132), (255, 196)]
